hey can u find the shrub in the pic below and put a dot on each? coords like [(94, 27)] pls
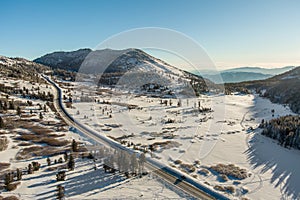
[(230, 170), (188, 167), (12, 186), (224, 177), (204, 172), (4, 165), (219, 187), (177, 162), (230, 189)]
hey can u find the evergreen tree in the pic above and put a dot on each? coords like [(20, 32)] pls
[(5, 106), (30, 169), (48, 161), (41, 116), (8, 178), (11, 105), (19, 111), (61, 176), (45, 108), (74, 146), (19, 174), (71, 163), (2, 125), (60, 192)]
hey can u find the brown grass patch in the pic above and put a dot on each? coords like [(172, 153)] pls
[(188, 167), (34, 151), (4, 165), (43, 139), (166, 144), (230, 170), (9, 198)]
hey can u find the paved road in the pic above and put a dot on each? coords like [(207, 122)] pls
[(186, 184)]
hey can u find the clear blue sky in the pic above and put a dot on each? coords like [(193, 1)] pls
[(234, 32)]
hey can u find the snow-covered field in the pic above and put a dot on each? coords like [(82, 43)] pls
[(82, 183), (228, 135)]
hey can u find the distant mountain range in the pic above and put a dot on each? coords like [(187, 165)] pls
[(243, 74)]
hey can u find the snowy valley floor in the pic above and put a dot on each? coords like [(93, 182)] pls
[(228, 135)]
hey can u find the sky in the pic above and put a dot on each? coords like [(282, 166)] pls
[(234, 33)]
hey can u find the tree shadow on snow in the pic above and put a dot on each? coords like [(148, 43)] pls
[(87, 182), (284, 164)]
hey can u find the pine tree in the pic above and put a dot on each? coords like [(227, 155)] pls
[(41, 116), (71, 163), (48, 161), (8, 178), (19, 174), (2, 125), (45, 108), (19, 111), (61, 176), (30, 169), (60, 192), (11, 105), (5, 106), (74, 146)]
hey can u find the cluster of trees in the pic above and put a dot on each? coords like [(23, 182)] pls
[(34, 166), (8, 105), (26, 93), (10, 177), (39, 95), (124, 162), (285, 129)]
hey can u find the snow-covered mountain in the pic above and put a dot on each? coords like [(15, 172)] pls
[(64, 60), (129, 68)]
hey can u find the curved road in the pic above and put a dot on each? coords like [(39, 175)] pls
[(186, 184)]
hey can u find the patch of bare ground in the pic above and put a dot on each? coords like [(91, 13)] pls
[(230, 170), (29, 152)]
